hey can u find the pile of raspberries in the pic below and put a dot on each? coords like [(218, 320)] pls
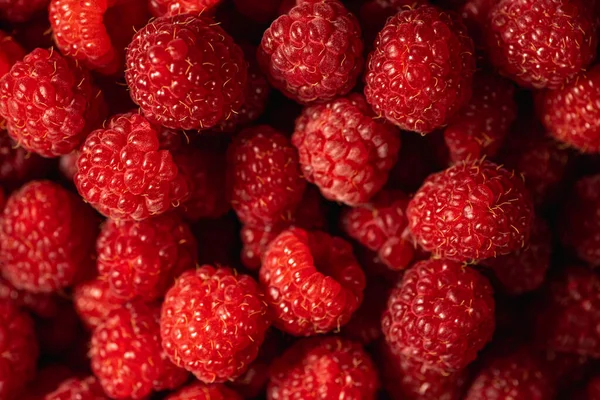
[(299, 199)]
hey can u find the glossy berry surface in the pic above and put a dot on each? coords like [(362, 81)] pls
[(78, 389), (93, 301), (160, 8)]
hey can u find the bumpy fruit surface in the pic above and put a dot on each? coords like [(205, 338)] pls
[(373, 15), (160, 8), (93, 301), (201, 391), (78, 389)]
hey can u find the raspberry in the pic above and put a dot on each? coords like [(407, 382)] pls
[(19, 350), (10, 51), (124, 173), (47, 237), (213, 322), (202, 391), (373, 15), (160, 8), (420, 71), (18, 166), (21, 10), (126, 354), (479, 129), (312, 282), (323, 368), (93, 301), (266, 185), (344, 151), (441, 314), (471, 211), (203, 69), (78, 389), (474, 14), (541, 43), (49, 103), (313, 52), (39, 304)]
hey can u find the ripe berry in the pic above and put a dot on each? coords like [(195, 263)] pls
[(160, 8), (373, 15), (93, 301), (441, 314), (185, 72), (420, 71), (78, 389), (314, 52), (471, 211), (344, 150), (202, 391), (312, 282)]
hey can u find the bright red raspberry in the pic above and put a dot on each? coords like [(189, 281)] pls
[(265, 181), (18, 166), (213, 323), (42, 305), (127, 357), (10, 51), (441, 313), (312, 282), (420, 71), (93, 301), (49, 103), (323, 368), (314, 52), (47, 237), (470, 212), (202, 391), (78, 389), (160, 8), (21, 10), (125, 173), (18, 350), (541, 43), (373, 15), (344, 150), (185, 72)]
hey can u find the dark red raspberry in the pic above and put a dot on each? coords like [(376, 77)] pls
[(202, 391), (127, 357), (185, 72), (18, 166), (78, 389), (266, 185), (567, 369), (323, 368), (21, 10), (39, 304), (541, 43), (373, 15), (18, 350), (312, 282), (10, 51), (47, 237), (420, 71), (93, 301), (49, 103), (471, 211), (124, 172), (344, 150), (160, 8), (441, 313), (213, 323), (314, 52)]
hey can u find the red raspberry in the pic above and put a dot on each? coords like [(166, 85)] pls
[(10, 51), (312, 282), (47, 236), (420, 72), (265, 181), (18, 166), (93, 301), (203, 68), (124, 172), (21, 10), (344, 151), (213, 323), (160, 8), (541, 43), (314, 52), (373, 15), (39, 304), (126, 354), (471, 211), (323, 368), (19, 350), (78, 389), (49, 103), (202, 391), (441, 313)]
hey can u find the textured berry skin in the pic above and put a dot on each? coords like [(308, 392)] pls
[(49, 103), (141, 259), (127, 357), (541, 44), (78, 389), (471, 211), (47, 237), (265, 181), (93, 301), (161, 8), (124, 173), (185, 72), (314, 52), (21, 10), (479, 129), (344, 151), (323, 368), (213, 323), (441, 313), (312, 282), (18, 350), (373, 15), (17, 165), (421, 69), (10, 51), (201, 391)]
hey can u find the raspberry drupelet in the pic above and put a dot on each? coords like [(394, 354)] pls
[(441, 314), (49, 103), (201, 391), (421, 69), (185, 72), (78, 389), (312, 282), (213, 323), (344, 150), (125, 173), (314, 52), (161, 8), (93, 300)]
